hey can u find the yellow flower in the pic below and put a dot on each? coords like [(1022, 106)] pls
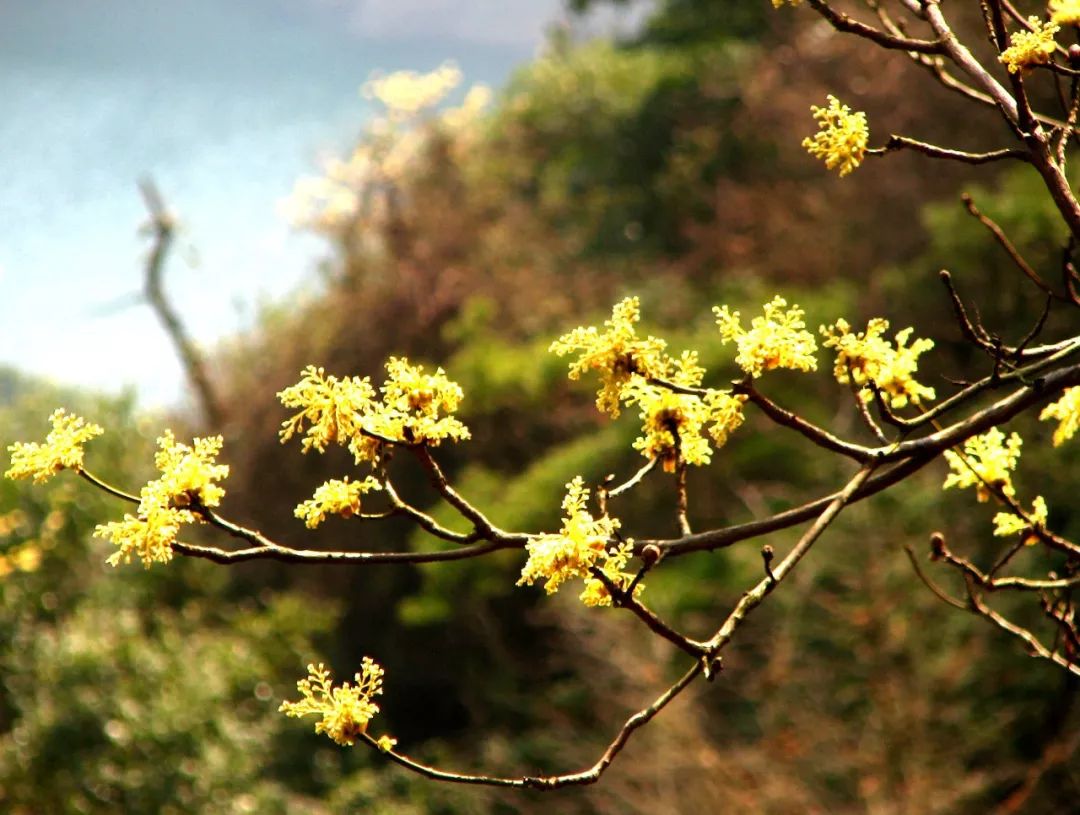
[(1028, 48), (385, 743), (779, 3), (596, 592), (332, 406), (842, 138), (345, 710), (415, 409), (988, 461), (1065, 12), (187, 480), (1067, 411), (582, 543), (188, 473), (673, 422), (868, 358), (149, 536), (617, 353), (778, 339), (1006, 523), (335, 497), (62, 449)]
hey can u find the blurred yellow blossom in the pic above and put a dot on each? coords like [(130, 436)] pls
[(1033, 47), (23, 558), (407, 93), (1007, 523), (778, 339), (616, 354), (868, 358), (779, 3), (385, 743), (988, 462), (63, 449), (842, 138), (1067, 411), (345, 710), (1065, 12), (335, 498), (583, 542)]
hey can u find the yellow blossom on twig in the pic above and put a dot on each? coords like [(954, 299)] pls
[(186, 484), (1008, 523), (1065, 12), (415, 408), (673, 423), (335, 497), (1067, 411), (1029, 48), (616, 353), (63, 449), (188, 473), (345, 710), (332, 406), (778, 339), (583, 543), (842, 138), (987, 462), (867, 358), (148, 536)]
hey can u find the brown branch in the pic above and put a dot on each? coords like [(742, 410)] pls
[(753, 598), (933, 151), (551, 782), (845, 24), (624, 598), (1007, 245), (930, 584), (163, 225)]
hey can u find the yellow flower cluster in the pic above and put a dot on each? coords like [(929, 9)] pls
[(186, 484), (335, 497), (778, 339), (63, 449), (867, 358), (583, 542), (673, 423), (407, 93), (842, 138), (1067, 411), (779, 3), (987, 462), (1029, 48), (332, 406), (1006, 523), (616, 353), (415, 408), (345, 710), (1065, 12)]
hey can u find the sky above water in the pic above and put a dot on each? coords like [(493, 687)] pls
[(224, 103)]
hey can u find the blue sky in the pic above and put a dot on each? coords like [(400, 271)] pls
[(224, 103)]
